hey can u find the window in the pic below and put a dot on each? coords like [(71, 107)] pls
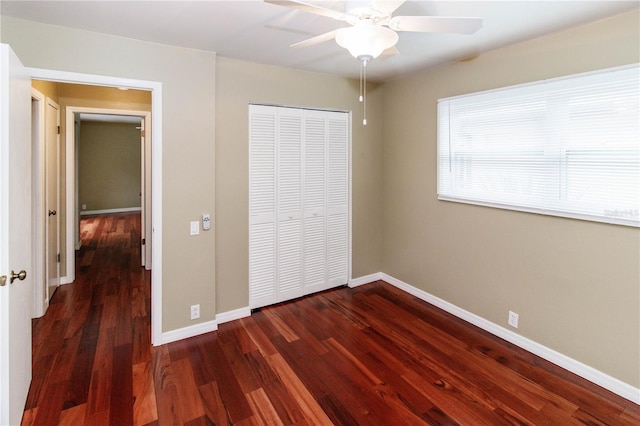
[(565, 147)]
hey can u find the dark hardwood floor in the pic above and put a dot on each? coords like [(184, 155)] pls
[(372, 355)]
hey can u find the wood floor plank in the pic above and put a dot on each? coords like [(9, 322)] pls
[(169, 410), (262, 342), (370, 355), (121, 404), (236, 403), (309, 406), (73, 416), (29, 416), (261, 405), (189, 397), (213, 405), (145, 409), (280, 325), (98, 419), (201, 362)]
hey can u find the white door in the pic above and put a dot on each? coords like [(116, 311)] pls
[(52, 190), (16, 299)]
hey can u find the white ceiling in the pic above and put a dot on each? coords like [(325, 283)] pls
[(259, 32)]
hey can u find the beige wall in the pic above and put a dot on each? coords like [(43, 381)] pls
[(109, 165), (188, 113), (240, 83), (575, 284)]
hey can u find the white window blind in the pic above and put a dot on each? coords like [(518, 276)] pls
[(566, 147)]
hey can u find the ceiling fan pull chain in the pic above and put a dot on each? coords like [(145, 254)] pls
[(361, 67), (364, 91)]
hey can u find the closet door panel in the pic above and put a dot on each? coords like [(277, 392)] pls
[(315, 196), (289, 259), (262, 268), (262, 206), (338, 253), (338, 199), (315, 254), (289, 184), (289, 161)]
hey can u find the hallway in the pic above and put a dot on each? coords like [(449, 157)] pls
[(95, 332)]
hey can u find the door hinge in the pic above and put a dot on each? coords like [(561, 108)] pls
[(58, 258), (58, 129), (144, 241), (142, 133)]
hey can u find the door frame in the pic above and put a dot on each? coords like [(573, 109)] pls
[(38, 107), (156, 177), (145, 167), (52, 103)]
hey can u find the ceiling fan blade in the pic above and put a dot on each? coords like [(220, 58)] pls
[(316, 40), (318, 10), (386, 6), (436, 24)]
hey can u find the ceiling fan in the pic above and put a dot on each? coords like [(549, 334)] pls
[(373, 28)]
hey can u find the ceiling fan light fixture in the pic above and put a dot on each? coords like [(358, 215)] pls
[(366, 40)]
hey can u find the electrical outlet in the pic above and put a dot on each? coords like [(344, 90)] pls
[(513, 319), (195, 312)]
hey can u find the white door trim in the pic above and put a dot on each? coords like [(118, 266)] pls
[(40, 302), (156, 176), (56, 281)]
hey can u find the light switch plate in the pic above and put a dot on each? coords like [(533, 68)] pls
[(195, 227)]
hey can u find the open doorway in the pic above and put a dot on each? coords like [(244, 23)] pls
[(112, 166), (131, 165), (70, 208)]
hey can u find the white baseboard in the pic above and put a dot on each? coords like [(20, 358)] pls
[(186, 332), (106, 211), (355, 282), (616, 386), (233, 315), (65, 280), (205, 327)]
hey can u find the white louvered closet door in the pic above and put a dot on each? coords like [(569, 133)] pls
[(289, 258), (315, 199), (262, 206), (298, 202), (337, 199)]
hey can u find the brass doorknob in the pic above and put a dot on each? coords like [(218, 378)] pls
[(52, 212), (20, 275)]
